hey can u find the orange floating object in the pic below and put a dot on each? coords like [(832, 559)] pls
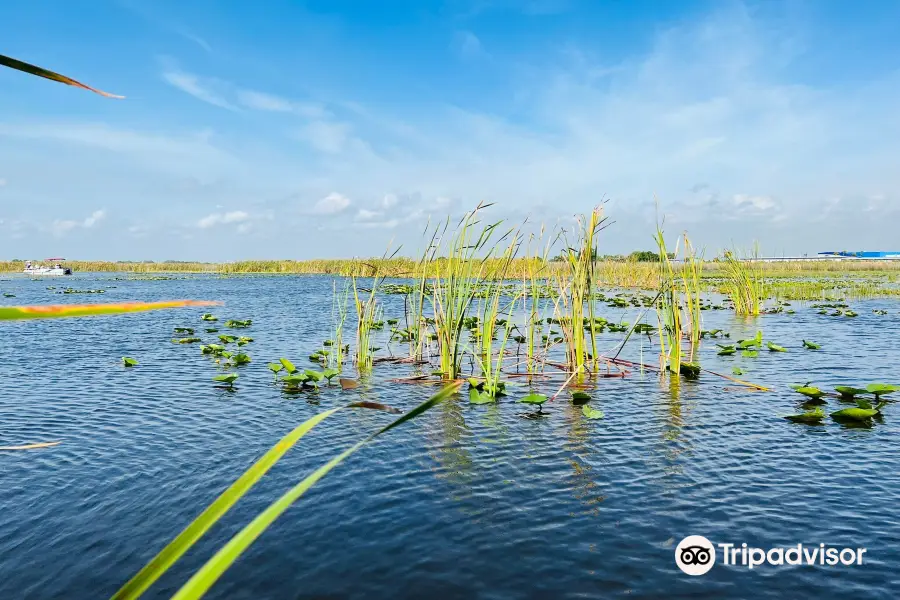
[(82, 310)]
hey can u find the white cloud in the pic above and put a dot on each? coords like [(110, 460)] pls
[(96, 217), (326, 136), (331, 204), (201, 89), (60, 227), (364, 214), (271, 103), (237, 216)]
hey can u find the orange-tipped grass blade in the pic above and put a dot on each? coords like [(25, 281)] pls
[(52, 311), (18, 65)]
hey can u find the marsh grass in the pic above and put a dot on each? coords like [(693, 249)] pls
[(744, 282), (457, 278), (575, 288)]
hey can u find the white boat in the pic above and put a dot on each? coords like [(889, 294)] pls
[(56, 270)]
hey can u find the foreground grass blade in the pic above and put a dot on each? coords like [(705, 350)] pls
[(203, 579), (50, 311), (195, 530), (18, 65)]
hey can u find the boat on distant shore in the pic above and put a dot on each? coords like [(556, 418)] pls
[(56, 269)]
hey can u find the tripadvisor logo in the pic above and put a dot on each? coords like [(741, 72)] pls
[(696, 555)]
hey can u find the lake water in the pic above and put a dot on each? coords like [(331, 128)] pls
[(464, 502)]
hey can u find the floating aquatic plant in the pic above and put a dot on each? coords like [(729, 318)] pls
[(238, 324), (591, 413), (209, 317), (240, 359), (750, 353), (288, 365), (228, 379), (580, 398), (881, 389), (811, 392), (849, 392), (128, 361), (227, 339), (477, 396), (773, 347), (184, 330), (812, 417), (811, 345), (275, 368), (534, 399), (186, 340), (726, 350), (862, 412)]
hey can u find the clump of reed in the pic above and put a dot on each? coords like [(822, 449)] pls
[(679, 305), (456, 279), (744, 283), (575, 288)]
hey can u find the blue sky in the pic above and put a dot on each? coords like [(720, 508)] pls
[(330, 128)]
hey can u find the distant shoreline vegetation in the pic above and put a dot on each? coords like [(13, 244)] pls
[(639, 269)]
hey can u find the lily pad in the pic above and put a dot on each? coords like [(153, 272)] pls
[(811, 345), (881, 389), (773, 347), (227, 378), (288, 365), (476, 397), (848, 391), (127, 361), (811, 392), (591, 413), (579, 398), (813, 417)]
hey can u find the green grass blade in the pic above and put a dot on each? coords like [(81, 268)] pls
[(193, 532), (203, 579)]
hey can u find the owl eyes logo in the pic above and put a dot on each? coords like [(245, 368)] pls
[(695, 555)]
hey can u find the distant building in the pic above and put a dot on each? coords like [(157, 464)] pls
[(864, 255)]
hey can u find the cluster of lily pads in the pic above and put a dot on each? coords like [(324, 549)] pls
[(481, 392), (76, 291), (837, 309), (750, 347), (296, 380), (862, 414)]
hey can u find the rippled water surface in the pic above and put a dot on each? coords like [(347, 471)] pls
[(464, 502)]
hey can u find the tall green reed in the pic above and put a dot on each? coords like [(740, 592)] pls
[(458, 276)]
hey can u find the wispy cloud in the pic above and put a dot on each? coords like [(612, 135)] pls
[(237, 216), (193, 85), (269, 102)]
